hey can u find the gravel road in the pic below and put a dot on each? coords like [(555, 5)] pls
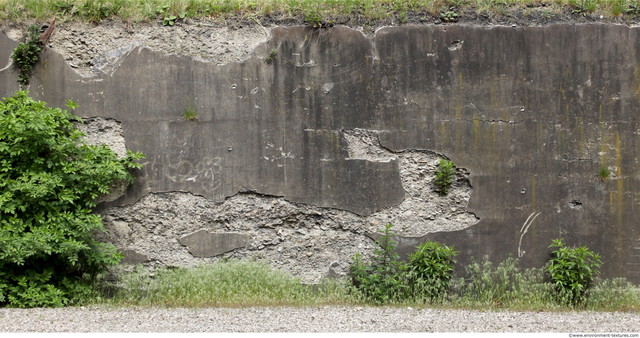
[(312, 319)]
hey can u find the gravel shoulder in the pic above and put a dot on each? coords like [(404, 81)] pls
[(309, 319)]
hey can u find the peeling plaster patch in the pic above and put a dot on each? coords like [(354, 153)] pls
[(90, 49), (423, 210), (575, 204), (109, 62), (203, 243), (365, 145), (455, 45), (133, 257), (99, 130), (326, 88), (306, 241)]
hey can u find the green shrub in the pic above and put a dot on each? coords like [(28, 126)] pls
[(384, 280), (430, 270), (445, 172), (27, 53), (49, 180), (572, 270)]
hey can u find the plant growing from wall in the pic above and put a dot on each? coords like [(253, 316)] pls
[(314, 19), (604, 173), (273, 53), (445, 173), (572, 270), (49, 180), (27, 53), (190, 114), (430, 270)]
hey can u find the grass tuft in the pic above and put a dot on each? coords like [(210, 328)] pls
[(364, 11), (228, 284), (238, 283)]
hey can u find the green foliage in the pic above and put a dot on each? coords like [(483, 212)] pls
[(583, 6), (572, 270), (384, 280), (49, 180), (445, 173), (169, 18), (314, 19), (27, 53), (99, 10), (226, 283), (604, 173), (388, 280), (430, 270), (367, 11), (618, 7), (449, 15), (501, 286), (632, 7), (273, 53), (615, 294), (190, 114)]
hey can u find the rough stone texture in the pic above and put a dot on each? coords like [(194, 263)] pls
[(316, 319), (98, 49), (422, 210), (530, 113), (203, 243), (99, 130), (132, 257)]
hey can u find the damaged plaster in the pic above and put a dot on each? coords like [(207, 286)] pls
[(340, 132), (181, 229)]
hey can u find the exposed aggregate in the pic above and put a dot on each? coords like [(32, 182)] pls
[(310, 319)]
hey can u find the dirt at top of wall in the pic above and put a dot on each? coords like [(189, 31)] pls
[(97, 48)]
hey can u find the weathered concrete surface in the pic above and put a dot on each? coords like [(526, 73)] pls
[(531, 113), (203, 243)]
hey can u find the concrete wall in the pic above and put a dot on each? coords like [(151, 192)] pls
[(296, 160)]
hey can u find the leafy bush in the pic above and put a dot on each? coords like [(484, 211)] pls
[(431, 269), (49, 181), (27, 53), (384, 280), (572, 270), (445, 172), (387, 279)]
